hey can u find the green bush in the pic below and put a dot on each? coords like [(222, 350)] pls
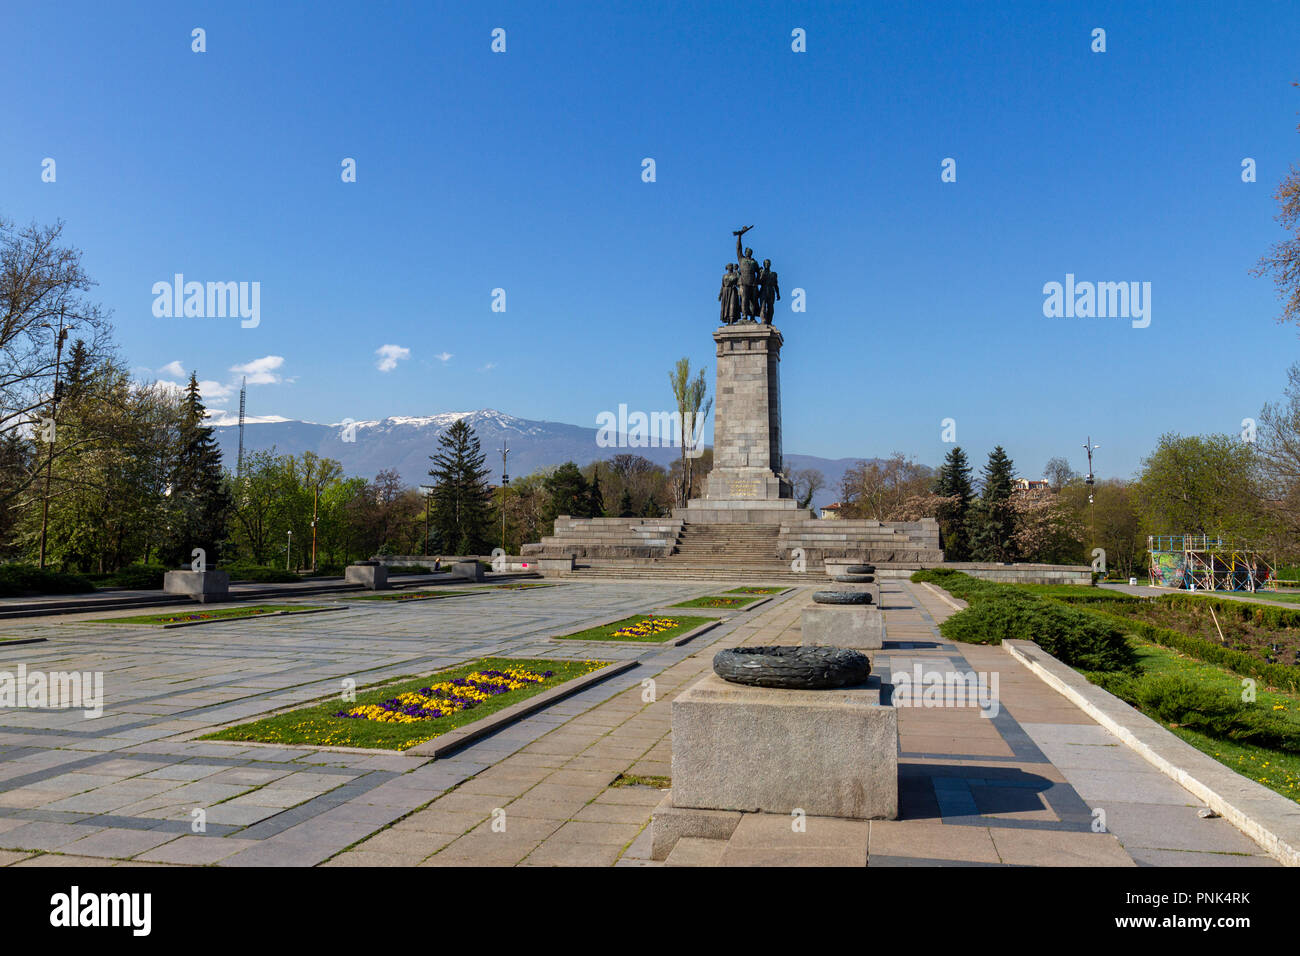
[(259, 574), (24, 579), (409, 569), (1073, 637), (1281, 676), (143, 577), (1178, 701)]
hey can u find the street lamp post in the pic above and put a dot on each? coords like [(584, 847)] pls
[(505, 482), (54, 411), (288, 550)]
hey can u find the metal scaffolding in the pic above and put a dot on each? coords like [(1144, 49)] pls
[(1199, 562)]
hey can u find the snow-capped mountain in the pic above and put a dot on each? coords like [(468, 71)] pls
[(406, 442)]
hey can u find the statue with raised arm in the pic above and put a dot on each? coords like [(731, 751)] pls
[(747, 269)]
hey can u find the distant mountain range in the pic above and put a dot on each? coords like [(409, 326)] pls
[(405, 443)]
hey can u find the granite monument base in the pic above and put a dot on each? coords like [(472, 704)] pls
[(202, 586), (370, 575), (826, 752), (859, 627)]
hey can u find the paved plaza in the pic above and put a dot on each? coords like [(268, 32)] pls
[(1021, 788)]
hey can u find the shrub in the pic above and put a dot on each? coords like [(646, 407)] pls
[(1073, 637), (21, 579), (1183, 703), (259, 574), (143, 577), (1281, 676)]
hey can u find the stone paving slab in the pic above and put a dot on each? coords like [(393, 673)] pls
[(1018, 788)]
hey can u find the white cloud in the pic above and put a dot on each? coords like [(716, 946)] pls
[(489, 366), (175, 369), (261, 371), (390, 355), (443, 357), (212, 393)]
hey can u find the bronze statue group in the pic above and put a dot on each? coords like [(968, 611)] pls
[(749, 291)]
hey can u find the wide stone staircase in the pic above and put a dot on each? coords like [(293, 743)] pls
[(726, 545)]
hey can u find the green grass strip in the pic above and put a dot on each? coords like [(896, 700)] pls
[(215, 614)]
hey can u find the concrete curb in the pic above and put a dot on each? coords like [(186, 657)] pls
[(1268, 818), (943, 596), (456, 739)]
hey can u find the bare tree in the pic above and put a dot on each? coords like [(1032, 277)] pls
[(42, 288), (1282, 262), (1058, 473), (693, 410), (807, 482)]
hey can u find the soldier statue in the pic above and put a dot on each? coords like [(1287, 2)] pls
[(729, 296), (747, 269), (769, 291)]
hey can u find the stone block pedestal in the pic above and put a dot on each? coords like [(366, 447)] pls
[(202, 586), (373, 576), (859, 627), (827, 752), (467, 571)]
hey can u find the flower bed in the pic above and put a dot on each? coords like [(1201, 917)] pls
[(756, 590), (401, 715), (641, 628), (718, 601), (215, 614), (407, 596), (446, 697)]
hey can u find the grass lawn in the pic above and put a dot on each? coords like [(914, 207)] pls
[(405, 596), (641, 628), (1277, 770), (318, 724), (180, 617), (719, 601), (756, 590)]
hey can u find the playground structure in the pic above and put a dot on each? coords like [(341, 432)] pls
[(1198, 562)]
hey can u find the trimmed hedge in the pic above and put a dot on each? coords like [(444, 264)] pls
[(143, 577), (1178, 701), (1281, 676), (21, 579), (1071, 636), (259, 574)]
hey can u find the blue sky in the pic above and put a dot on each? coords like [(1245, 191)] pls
[(522, 171)]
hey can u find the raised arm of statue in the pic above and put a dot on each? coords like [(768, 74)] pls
[(739, 233)]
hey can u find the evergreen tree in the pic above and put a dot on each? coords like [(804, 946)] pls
[(953, 481), (460, 505), (567, 493), (651, 509), (625, 505), (200, 502), (994, 524), (595, 499)]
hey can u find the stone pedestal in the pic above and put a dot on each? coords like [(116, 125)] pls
[(859, 627), (202, 586), (371, 575), (826, 752), (467, 571), (746, 484)]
